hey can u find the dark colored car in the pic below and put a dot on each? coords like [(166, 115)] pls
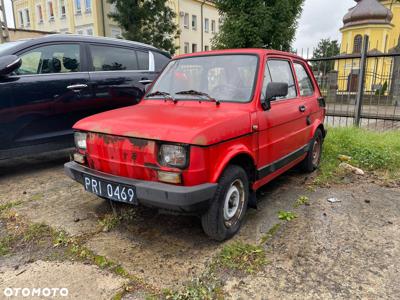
[(49, 83)]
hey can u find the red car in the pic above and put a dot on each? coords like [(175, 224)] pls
[(211, 130)]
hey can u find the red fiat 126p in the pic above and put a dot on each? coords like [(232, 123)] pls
[(212, 129)]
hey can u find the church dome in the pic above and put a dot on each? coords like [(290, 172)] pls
[(367, 12)]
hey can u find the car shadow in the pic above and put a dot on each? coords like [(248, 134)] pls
[(30, 164)]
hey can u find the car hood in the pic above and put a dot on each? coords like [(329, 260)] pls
[(186, 122)]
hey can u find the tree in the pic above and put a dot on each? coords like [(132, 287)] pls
[(147, 21), (257, 23), (325, 48)]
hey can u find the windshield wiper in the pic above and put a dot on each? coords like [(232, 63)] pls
[(197, 93), (164, 94)]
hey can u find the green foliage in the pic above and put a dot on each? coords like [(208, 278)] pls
[(197, 289), (303, 200), (257, 23), (370, 150), (382, 91), (242, 257), (36, 231), (109, 222), (5, 244), (325, 48), (147, 21), (270, 233), (286, 215), (9, 205)]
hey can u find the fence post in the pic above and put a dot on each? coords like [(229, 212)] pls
[(361, 81)]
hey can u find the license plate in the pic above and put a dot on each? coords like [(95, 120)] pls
[(110, 190)]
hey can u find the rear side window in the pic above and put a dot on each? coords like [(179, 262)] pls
[(280, 71), (160, 61), (106, 58), (63, 58), (305, 83), (143, 59)]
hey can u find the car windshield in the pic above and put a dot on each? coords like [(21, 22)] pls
[(6, 46), (229, 78)]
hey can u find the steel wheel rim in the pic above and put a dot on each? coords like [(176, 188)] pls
[(233, 204), (316, 152)]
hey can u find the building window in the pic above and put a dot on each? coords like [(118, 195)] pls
[(27, 18), (51, 10), (80, 32), (39, 13), (213, 26), (186, 48), (88, 6), (89, 31), (206, 48), (186, 20), (21, 19), (62, 8), (206, 25), (357, 43), (78, 8), (194, 48), (194, 22)]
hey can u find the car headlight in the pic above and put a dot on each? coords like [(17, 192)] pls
[(80, 140), (173, 156)]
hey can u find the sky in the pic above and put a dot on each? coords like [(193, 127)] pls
[(320, 19)]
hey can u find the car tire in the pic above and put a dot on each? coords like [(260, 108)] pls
[(313, 158), (229, 205)]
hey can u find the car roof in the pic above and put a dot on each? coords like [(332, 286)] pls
[(258, 51), (80, 38)]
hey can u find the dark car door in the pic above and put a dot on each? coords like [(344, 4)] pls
[(117, 73), (47, 92), (6, 113)]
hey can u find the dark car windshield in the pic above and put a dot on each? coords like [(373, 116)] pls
[(228, 78), (7, 46)]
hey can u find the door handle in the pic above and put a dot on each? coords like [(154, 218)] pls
[(302, 108), (77, 87), (146, 81)]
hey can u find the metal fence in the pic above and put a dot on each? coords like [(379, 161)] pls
[(361, 89)]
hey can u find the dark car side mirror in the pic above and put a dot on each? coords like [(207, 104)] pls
[(9, 64), (274, 90)]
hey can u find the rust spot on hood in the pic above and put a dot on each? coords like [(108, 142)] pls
[(140, 143)]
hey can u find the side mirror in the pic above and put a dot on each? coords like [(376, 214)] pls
[(274, 90), (146, 82), (9, 64)]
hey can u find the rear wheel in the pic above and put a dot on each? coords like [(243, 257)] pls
[(313, 158), (226, 212)]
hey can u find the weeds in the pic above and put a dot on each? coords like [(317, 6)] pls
[(242, 257), (109, 222), (270, 234), (302, 200), (286, 215), (369, 150)]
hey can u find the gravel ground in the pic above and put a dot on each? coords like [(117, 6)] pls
[(349, 249)]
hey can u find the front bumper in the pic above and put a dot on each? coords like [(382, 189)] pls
[(154, 194)]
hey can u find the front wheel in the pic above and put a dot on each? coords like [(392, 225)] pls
[(313, 158), (226, 212)]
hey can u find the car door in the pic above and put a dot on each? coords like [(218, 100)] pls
[(282, 137), (6, 114), (46, 91), (116, 74)]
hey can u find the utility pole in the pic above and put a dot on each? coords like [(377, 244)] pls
[(4, 35)]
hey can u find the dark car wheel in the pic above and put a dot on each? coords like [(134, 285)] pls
[(226, 212), (313, 158)]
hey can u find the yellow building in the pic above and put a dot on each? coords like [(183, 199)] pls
[(380, 21), (198, 20)]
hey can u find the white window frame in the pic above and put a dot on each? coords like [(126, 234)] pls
[(88, 10), (62, 15), (213, 26), (186, 20), (27, 16), (78, 11), (194, 22), (206, 25), (194, 45), (186, 48), (50, 5), (21, 18), (39, 12)]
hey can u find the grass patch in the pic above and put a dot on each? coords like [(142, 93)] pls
[(9, 205), (242, 257), (5, 244), (109, 222), (369, 150), (286, 215), (302, 200), (270, 234), (197, 289), (36, 231)]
